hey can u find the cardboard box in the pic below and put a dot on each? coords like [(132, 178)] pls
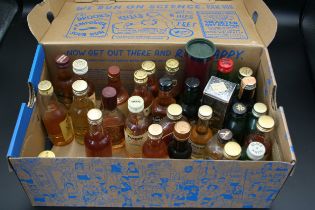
[(125, 34)]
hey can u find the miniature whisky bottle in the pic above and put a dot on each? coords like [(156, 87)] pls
[(242, 73), (258, 110), (255, 151), (79, 109), (246, 94), (179, 147), (164, 99), (214, 148), (80, 69), (154, 147), (201, 133), (232, 151), (97, 142), (54, 115), (136, 127), (114, 81), (225, 69), (149, 67), (172, 71), (113, 118)]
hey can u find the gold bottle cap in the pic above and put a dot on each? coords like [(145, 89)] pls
[(95, 116), (265, 123), (149, 67), (248, 83), (155, 131), (79, 87), (46, 154), (140, 77), (205, 112), (255, 150), (259, 109), (245, 72), (45, 88), (182, 130), (135, 104), (174, 111), (232, 150), (80, 67), (172, 65)]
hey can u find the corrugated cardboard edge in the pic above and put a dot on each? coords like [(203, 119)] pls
[(265, 21)]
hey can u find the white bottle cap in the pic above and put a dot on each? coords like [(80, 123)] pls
[(80, 66), (45, 88), (255, 150), (205, 112), (79, 87), (95, 116), (135, 104), (155, 131), (174, 111)]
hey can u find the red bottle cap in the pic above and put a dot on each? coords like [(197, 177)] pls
[(113, 71), (225, 65), (109, 98), (62, 61)]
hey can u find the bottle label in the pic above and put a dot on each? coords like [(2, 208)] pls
[(66, 128), (134, 143), (197, 149), (93, 98), (147, 111)]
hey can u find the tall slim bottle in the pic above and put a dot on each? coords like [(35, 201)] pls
[(172, 71), (246, 93), (150, 68)]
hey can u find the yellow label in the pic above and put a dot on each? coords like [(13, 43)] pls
[(93, 98), (147, 111), (134, 143), (66, 128), (219, 87)]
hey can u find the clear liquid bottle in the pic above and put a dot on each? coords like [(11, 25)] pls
[(54, 115), (97, 141), (113, 118), (136, 127), (150, 68), (179, 147), (172, 71), (201, 134), (79, 109), (214, 148), (80, 69), (232, 151), (154, 147)]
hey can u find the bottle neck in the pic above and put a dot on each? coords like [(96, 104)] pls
[(181, 145), (141, 87), (79, 98), (151, 78), (202, 126), (97, 128), (64, 74), (49, 102), (246, 95), (165, 94), (114, 82), (191, 96)]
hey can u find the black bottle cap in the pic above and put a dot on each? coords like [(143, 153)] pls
[(239, 109), (192, 83), (166, 84), (225, 135)]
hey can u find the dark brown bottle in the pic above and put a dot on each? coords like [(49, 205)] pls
[(154, 147), (179, 147), (246, 93)]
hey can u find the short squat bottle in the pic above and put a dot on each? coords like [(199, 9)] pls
[(150, 68), (237, 121), (232, 151), (80, 69), (225, 69), (154, 147), (164, 99), (114, 81), (179, 147), (141, 89), (113, 118), (64, 79), (79, 109), (258, 110), (190, 100), (136, 127), (172, 71), (255, 151), (173, 115), (264, 125), (201, 134), (97, 141), (54, 115), (214, 148)]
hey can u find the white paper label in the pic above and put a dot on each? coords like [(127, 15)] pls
[(219, 87)]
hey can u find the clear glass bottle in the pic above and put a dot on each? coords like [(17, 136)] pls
[(79, 109), (236, 121), (80, 69), (258, 110), (114, 81), (246, 94), (179, 147), (225, 69), (154, 147), (136, 127), (172, 72), (164, 99), (264, 125), (201, 134), (232, 151), (97, 141), (190, 100), (54, 115), (113, 118), (64, 79), (255, 151), (214, 148), (173, 115), (141, 89), (150, 68)]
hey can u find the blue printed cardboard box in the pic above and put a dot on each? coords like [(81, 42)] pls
[(126, 33)]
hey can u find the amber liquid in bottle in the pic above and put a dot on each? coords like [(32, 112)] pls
[(97, 142), (54, 115), (150, 68), (113, 118), (154, 147), (122, 94), (215, 147)]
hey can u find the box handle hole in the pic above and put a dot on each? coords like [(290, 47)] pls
[(255, 17), (50, 17)]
